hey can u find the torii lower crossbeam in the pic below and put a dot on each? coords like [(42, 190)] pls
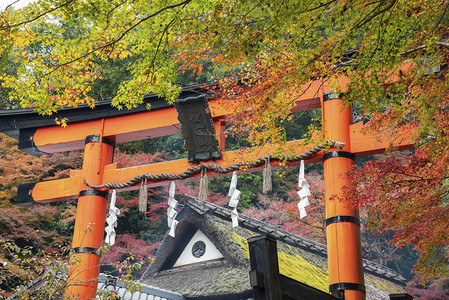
[(68, 188)]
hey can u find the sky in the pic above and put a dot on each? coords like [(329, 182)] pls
[(17, 4)]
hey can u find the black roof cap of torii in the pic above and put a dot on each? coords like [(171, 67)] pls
[(13, 121)]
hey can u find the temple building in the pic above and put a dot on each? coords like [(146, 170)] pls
[(209, 259)]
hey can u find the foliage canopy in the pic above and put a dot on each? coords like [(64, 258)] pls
[(394, 53), (61, 47)]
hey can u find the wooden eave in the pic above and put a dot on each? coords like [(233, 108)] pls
[(39, 134)]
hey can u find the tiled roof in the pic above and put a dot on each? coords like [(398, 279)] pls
[(146, 293)]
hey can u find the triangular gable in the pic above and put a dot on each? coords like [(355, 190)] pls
[(190, 223), (199, 249)]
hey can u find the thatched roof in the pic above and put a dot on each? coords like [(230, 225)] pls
[(228, 278)]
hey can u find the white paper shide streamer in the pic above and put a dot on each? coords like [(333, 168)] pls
[(234, 193), (171, 211), (303, 193), (112, 220)]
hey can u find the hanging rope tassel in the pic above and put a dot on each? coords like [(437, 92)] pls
[(267, 181), (143, 196), (204, 182)]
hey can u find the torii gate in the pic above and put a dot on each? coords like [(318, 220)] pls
[(98, 130)]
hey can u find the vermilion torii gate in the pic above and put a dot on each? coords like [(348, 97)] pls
[(97, 131)]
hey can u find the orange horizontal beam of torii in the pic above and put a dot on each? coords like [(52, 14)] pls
[(68, 188), (142, 125)]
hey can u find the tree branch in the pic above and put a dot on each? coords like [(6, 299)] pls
[(441, 17), (424, 47), (374, 14), (104, 46), (319, 6), (35, 18), (10, 5)]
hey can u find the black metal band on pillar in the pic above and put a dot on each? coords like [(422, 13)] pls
[(333, 154), (25, 194), (94, 193), (90, 250), (341, 219), (95, 138), (341, 286), (331, 95)]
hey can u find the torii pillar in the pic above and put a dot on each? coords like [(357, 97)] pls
[(344, 248), (90, 219)]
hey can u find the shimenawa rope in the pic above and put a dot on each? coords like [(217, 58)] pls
[(216, 168)]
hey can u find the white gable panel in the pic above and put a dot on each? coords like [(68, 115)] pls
[(199, 249)]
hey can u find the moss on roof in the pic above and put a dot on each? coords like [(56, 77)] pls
[(293, 265), (375, 286), (297, 268)]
